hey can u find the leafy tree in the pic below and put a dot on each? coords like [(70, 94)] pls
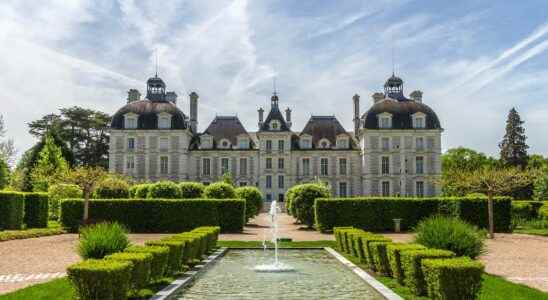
[(4, 174), (50, 167), (540, 192), (461, 160), (7, 148), (87, 179), (491, 181), (513, 148)]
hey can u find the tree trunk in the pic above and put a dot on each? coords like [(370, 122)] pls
[(86, 208), (491, 215)]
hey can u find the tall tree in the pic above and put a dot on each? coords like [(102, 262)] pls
[(7, 147), (513, 148), (50, 167), (4, 173), (87, 179), (459, 160)]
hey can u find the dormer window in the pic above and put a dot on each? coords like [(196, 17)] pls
[(419, 120), (130, 121), (323, 144), (342, 142), (164, 121), (224, 144), (275, 125), (243, 143), (206, 142), (305, 141), (385, 121)]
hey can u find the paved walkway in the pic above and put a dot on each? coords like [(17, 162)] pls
[(518, 257)]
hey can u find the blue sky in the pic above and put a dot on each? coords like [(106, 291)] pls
[(473, 60)]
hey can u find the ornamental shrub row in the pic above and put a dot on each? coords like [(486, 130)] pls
[(17, 209), (125, 273), (433, 272), (301, 201), (377, 214), (526, 210), (158, 216)]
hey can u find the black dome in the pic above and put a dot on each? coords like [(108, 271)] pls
[(148, 114), (402, 112)]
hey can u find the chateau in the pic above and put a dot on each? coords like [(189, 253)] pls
[(393, 150)]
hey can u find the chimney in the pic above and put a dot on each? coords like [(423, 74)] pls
[(416, 96), (377, 97), (133, 95), (261, 115), (171, 97), (194, 111), (288, 117), (356, 101)]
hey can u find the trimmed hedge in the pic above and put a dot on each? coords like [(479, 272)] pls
[(12, 210), (219, 190), (112, 188), (453, 278), (302, 201), (543, 212), (101, 279), (393, 252), (191, 190), (175, 258), (160, 255), (58, 192), (164, 190), (141, 190), (526, 210), (140, 274), (253, 200), (411, 261), (158, 216), (377, 213), (36, 210), (380, 258), (338, 232), (367, 248)]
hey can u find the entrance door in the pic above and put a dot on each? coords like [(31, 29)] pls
[(280, 197)]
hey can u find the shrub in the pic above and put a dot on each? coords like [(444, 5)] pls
[(158, 216), (451, 234), (253, 200), (102, 239), (289, 201), (36, 210), (411, 264), (543, 212), (176, 251), (452, 278), (101, 279), (140, 273), (338, 233), (58, 192), (219, 190), (191, 190), (160, 256), (380, 258), (141, 190), (164, 190), (132, 191), (526, 210), (12, 210), (393, 252), (302, 201), (367, 248), (192, 248), (112, 188)]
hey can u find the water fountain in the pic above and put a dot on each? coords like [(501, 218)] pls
[(277, 266)]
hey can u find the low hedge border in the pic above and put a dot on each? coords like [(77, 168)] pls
[(411, 264), (367, 248), (140, 274), (101, 279), (380, 258), (453, 278), (526, 210), (36, 210), (160, 255), (158, 215), (29, 233), (393, 252)]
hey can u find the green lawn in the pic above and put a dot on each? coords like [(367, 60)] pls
[(53, 228), (493, 288)]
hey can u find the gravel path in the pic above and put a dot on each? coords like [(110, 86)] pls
[(520, 258)]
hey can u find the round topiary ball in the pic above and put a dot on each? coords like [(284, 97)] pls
[(112, 188), (164, 190), (191, 190), (219, 190), (253, 200)]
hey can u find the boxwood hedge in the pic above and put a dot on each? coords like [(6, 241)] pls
[(160, 255), (101, 279), (412, 267), (36, 210), (452, 278), (377, 213), (12, 210), (393, 252), (140, 273), (154, 215)]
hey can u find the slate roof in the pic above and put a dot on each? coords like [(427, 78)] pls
[(274, 114), (226, 127), (328, 127), (402, 112), (148, 114)]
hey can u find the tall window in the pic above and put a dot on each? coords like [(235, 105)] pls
[(385, 143), (419, 189), (385, 186), (130, 163), (324, 167), (269, 197), (306, 166), (280, 163), (419, 143), (385, 165), (281, 145), (343, 189), (385, 122), (268, 145), (342, 166), (269, 163), (419, 165), (268, 181), (206, 166), (164, 165), (164, 143), (243, 166), (280, 181), (164, 122), (224, 165), (131, 143)]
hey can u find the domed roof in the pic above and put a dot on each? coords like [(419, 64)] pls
[(402, 112), (148, 114), (393, 81)]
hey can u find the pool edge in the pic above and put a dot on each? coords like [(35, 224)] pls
[(374, 283)]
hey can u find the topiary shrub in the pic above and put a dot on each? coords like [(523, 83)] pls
[(368, 250), (112, 188), (140, 273), (100, 279), (338, 232), (393, 252), (451, 234), (289, 201), (102, 239), (58, 192), (12, 210), (164, 190), (452, 278), (191, 190), (141, 190), (303, 197), (253, 200), (219, 190), (175, 258), (36, 210), (160, 256), (412, 267), (380, 258)]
